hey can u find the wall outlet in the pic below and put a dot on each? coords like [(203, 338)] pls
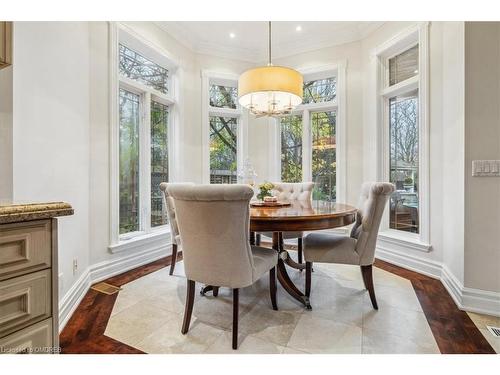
[(486, 168), (75, 266)]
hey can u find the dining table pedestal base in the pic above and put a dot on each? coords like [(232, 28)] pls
[(283, 278)]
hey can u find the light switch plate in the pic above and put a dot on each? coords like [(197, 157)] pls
[(486, 168)]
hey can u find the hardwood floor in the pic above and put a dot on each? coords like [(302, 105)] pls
[(84, 332), (454, 331)]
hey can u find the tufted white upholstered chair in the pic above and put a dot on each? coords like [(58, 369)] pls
[(358, 248), (214, 224), (288, 191), (168, 203)]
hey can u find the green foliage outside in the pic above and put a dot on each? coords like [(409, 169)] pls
[(129, 162)]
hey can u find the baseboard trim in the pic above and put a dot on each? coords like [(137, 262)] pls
[(466, 299), (469, 299), (101, 271), (415, 263), (72, 298)]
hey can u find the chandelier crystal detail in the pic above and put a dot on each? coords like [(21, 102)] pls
[(270, 90)]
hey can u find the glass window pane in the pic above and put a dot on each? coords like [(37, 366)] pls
[(324, 155), (403, 121), (223, 96), (223, 146), (129, 162), (403, 66), (159, 159), (291, 149), (141, 69), (321, 90)]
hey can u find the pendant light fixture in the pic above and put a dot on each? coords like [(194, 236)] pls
[(270, 90)]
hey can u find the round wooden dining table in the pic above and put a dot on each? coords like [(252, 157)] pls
[(298, 216)]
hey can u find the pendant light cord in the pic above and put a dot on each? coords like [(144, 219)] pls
[(269, 63)]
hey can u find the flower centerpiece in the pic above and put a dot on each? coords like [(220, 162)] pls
[(265, 190)]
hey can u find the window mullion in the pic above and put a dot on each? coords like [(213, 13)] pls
[(306, 147), (145, 162)]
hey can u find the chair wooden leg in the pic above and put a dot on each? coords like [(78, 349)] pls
[(257, 239), (367, 272), (235, 317), (174, 259), (215, 291), (188, 310), (308, 278), (273, 288), (252, 238), (299, 250)]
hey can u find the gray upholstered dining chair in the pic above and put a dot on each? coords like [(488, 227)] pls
[(358, 248), (289, 191), (214, 224), (169, 205)]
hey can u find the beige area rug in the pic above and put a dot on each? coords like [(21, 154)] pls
[(148, 315)]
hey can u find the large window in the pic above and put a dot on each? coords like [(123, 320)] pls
[(402, 110), (159, 158), (309, 137), (144, 108), (223, 146), (403, 147), (223, 124), (129, 161), (320, 90), (291, 148), (324, 155), (138, 68)]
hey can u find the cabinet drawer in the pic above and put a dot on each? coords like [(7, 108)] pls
[(35, 339), (24, 300), (24, 247)]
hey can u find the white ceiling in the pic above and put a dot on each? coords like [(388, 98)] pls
[(251, 38)]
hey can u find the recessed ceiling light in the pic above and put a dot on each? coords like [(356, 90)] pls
[(416, 71), (232, 35), (298, 28)]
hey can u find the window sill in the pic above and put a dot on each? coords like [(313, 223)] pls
[(153, 240), (409, 242)]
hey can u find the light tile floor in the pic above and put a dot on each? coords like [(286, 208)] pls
[(481, 321), (148, 315)]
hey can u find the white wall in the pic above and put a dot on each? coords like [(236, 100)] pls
[(51, 129), (482, 141), (453, 148)]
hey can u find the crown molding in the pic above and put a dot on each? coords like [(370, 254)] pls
[(303, 44)]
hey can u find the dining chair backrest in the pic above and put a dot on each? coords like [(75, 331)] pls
[(169, 208), (371, 205), (214, 224), (301, 191)]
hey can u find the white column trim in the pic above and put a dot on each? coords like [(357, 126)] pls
[(114, 135), (205, 131), (341, 133)]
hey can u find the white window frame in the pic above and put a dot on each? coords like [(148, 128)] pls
[(417, 34), (337, 105), (209, 78), (147, 235)]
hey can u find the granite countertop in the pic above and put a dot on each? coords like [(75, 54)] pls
[(13, 213)]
